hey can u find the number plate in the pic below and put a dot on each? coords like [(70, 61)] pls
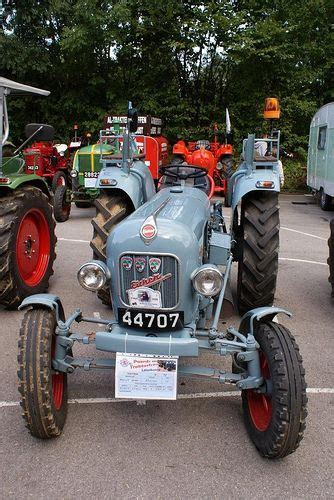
[(150, 320)]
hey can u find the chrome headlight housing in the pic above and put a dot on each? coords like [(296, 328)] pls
[(93, 275), (207, 280), (73, 174)]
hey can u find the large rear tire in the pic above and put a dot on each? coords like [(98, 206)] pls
[(330, 259), (27, 245), (258, 239), (110, 210), (43, 391), (275, 418)]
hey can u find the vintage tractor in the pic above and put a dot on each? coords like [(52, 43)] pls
[(168, 266), (148, 144), (330, 259), (27, 227), (148, 138), (216, 157), (48, 160)]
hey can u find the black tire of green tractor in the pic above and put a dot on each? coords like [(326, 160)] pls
[(59, 179), (275, 421), (330, 259), (62, 208), (110, 210), (258, 238), (43, 391), (83, 204), (15, 207), (325, 201)]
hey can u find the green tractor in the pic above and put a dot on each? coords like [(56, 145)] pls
[(27, 227), (87, 164)]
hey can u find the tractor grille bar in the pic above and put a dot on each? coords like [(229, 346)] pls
[(168, 288)]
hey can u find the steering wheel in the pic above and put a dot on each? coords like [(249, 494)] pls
[(173, 171)]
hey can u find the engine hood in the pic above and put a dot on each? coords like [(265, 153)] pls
[(180, 218)]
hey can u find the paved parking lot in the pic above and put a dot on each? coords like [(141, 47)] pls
[(194, 447)]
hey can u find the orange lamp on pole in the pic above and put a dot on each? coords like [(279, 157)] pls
[(272, 109)]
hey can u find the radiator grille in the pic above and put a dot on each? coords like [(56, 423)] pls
[(168, 288)]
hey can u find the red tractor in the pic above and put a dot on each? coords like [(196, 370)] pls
[(149, 140), (49, 160), (216, 157)]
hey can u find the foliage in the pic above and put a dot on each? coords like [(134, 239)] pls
[(182, 60), (294, 175)]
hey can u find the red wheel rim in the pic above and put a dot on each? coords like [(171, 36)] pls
[(260, 405), (57, 379), (33, 247), (61, 181)]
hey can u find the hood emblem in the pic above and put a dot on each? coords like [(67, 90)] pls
[(154, 264), (126, 262), (140, 263)]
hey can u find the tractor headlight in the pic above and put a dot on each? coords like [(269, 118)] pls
[(93, 275), (73, 174), (207, 280)]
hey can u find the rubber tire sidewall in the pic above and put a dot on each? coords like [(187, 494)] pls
[(57, 175), (34, 364), (24, 290), (325, 201), (58, 204)]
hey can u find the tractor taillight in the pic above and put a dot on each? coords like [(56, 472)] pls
[(265, 184), (5, 180)]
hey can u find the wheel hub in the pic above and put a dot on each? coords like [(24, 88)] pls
[(32, 247)]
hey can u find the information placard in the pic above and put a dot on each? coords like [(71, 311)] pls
[(142, 376)]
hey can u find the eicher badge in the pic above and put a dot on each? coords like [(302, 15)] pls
[(126, 262), (140, 263), (154, 264)]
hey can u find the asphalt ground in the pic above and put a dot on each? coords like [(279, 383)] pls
[(196, 447)]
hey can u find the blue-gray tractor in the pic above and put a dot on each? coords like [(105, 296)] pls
[(167, 268), (124, 182)]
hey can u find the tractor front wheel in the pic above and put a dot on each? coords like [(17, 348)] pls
[(43, 390), (27, 245), (110, 210), (59, 179), (330, 259), (257, 246), (61, 205), (275, 414)]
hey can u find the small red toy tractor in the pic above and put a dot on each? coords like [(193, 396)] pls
[(216, 157)]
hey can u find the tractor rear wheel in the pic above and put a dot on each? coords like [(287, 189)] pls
[(59, 179), (43, 390), (330, 259), (258, 243), (62, 207), (275, 416), (27, 245), (110, 210)]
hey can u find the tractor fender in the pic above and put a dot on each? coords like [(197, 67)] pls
[(243, 182), (21, 180), (259, 314), (138, 185), (46, 300)]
